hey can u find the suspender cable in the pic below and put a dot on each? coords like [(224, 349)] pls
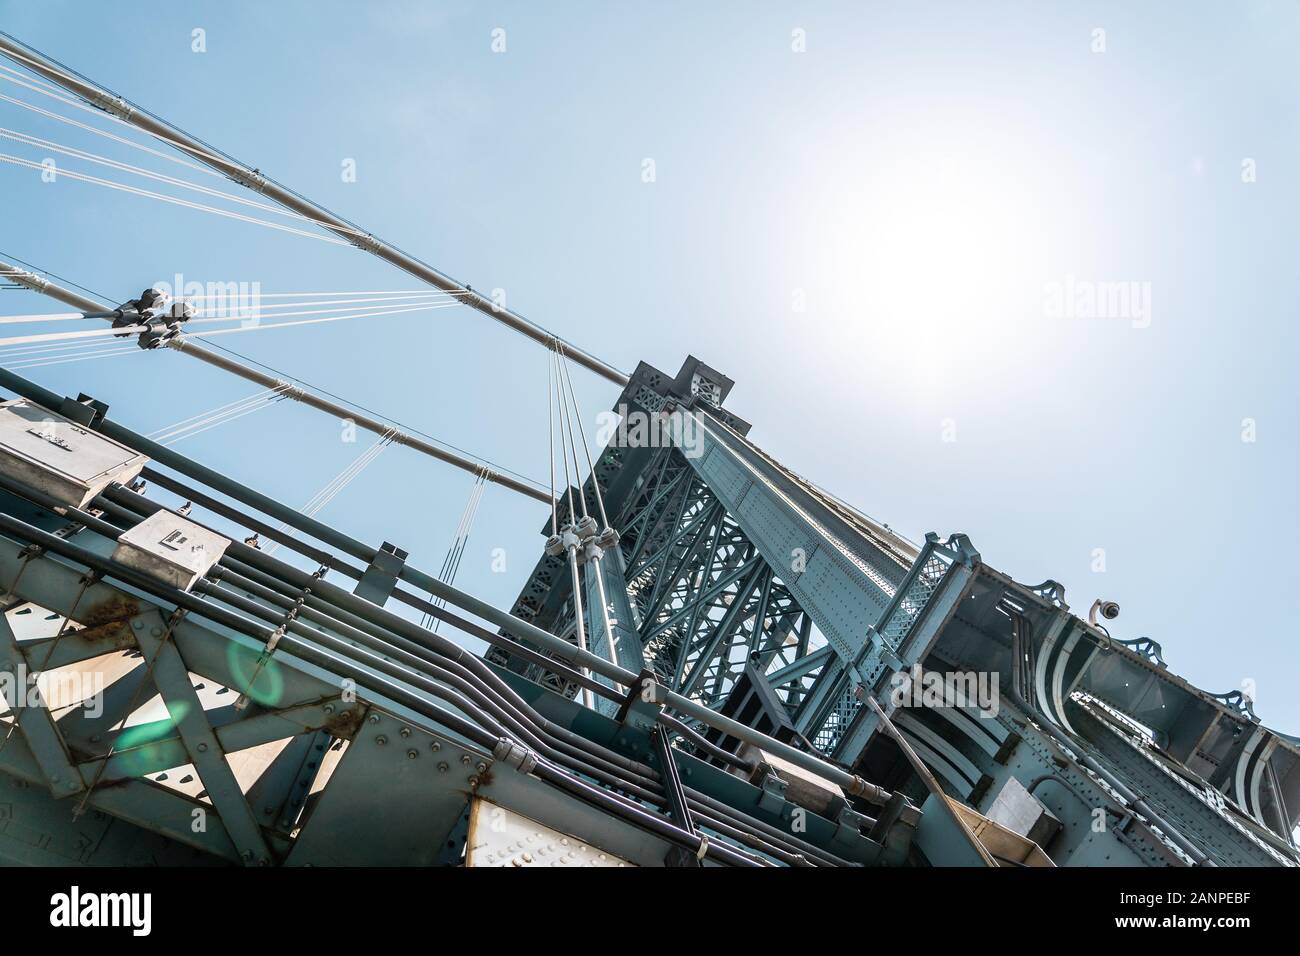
[(340, 481), (127, 112), (451, 563), (368, 422), (570, 544), (582, 433), (550, 439), (592, 546)]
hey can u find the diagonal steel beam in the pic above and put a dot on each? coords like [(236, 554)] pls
[(173, 681)]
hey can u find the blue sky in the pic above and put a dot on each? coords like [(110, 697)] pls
[(918, 178)]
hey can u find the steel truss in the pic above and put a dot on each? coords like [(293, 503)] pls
[(732, 565)]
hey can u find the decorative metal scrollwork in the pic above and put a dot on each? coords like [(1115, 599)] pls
[(1239, 702), (1147, 648), (1052, 592)]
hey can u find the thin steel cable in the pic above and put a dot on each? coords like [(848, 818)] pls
[(99, 111), (573, 442), (174, 200), (339, 482), (200, 431), (112, 353), (69, 121), (500, 469), (600, 498), (222, 414), (550, 440), (40, 317), (335, 318), (167, 430), (26, 139), (568, 482)]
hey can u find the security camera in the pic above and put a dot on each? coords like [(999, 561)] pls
[(1108, 609)]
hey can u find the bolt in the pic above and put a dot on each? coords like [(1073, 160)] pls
[(442, 766), (381, 740), (374, 718), (406, 731), (435, 746), (473, 782), (412, 754), (464, 758), (329, 708), (481, 767)]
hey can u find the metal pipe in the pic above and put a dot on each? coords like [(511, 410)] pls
[(253, 179), (295, 392)]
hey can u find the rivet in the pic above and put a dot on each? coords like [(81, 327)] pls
[(156, 631), (203, 748)]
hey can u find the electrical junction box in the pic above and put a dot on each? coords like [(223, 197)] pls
[(170, 549), (58, 457), (501, 837)]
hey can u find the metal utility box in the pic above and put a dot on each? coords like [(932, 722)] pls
[(1021, 812), (171, 549), (58, 457)]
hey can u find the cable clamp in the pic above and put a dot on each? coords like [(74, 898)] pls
[(365, 241), (250, 179), (515, 755), (704, 847), (114, 105)]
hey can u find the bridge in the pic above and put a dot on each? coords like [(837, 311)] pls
[(713, 661)]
